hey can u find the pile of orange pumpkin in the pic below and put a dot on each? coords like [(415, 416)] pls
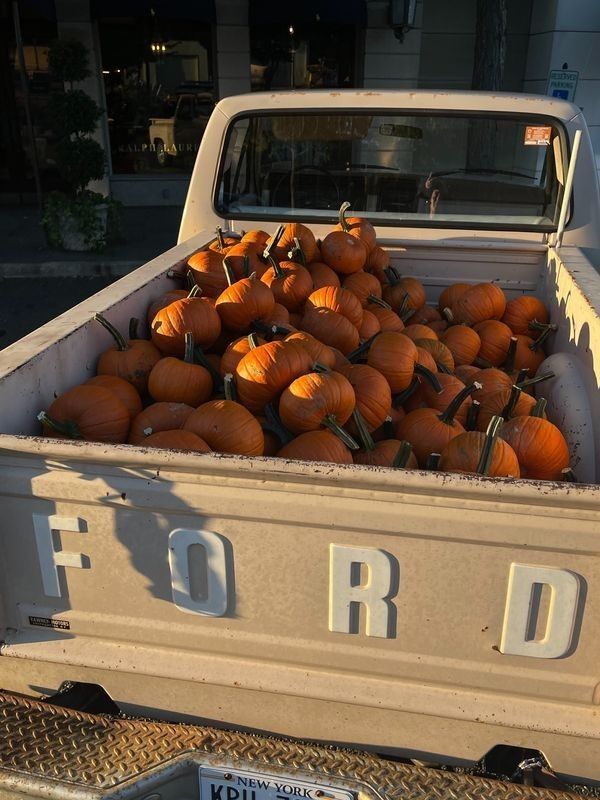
[(319, 350)]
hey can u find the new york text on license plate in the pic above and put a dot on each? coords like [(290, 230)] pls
[(216, 784)]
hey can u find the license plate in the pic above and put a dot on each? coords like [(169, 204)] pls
[(218, 784)]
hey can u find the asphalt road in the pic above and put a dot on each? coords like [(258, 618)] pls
[(27, 303)]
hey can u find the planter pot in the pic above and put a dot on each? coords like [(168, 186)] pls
[(73, 238)]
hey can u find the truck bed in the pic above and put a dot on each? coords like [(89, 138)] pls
[(280, 652)]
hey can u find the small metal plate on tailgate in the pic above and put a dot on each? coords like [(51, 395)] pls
[(240, 785)]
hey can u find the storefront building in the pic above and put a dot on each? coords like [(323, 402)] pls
[(158, 67)]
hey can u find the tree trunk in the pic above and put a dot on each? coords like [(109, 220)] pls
[(490, 45), (488, 74)]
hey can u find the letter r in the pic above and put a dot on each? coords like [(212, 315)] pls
[(374, 595)]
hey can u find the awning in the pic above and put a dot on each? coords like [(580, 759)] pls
[(196, 10), (328, 12)]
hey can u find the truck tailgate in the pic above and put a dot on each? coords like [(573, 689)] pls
[(381, 608)]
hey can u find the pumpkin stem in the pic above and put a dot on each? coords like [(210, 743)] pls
[(195, 291), (229, 274), (229, 387), (521, 375), (330, 422), (372, 298), (509, 361), (535, 346), (443, 368), (189, 348), (402, 456), (363, 432), (246, 265), (133, 328), (392, 275), (66, 428), (448, 415), (274, 424), (472, 415), (297, 252), (190, 280), (538, 379), (543, 326), (274, 242), (320, 368), (404, 311), (509, 408), (362, 349), (539, 409), (388, 428), (485, 459), (220, 238), (119, 339), (200, 358), (448, 315), (429, 377), (176, 274), (377, 301), (253, 341), (402, 397), (342, 216), (279, 273), (482, 363), (568, 475), (433, 461)]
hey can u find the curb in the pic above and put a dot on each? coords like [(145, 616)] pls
[(68, 269)]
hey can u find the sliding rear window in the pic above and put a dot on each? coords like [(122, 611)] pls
[(432, 170)]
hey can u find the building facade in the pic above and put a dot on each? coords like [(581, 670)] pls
[(158, 66)]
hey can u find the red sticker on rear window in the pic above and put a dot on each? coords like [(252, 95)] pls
[(538, 134)]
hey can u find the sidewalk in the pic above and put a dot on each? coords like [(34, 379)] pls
[(147, 232)]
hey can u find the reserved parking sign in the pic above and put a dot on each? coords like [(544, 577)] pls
[(563, 84)]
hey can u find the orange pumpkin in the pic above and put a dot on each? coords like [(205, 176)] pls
[(318, 399), (290, 283), (207, 270), (463, 342), (177, 440), (331, 328), (478, 303), (176, 381), (495, 339), (363, 285), (480, 453), (125, 391), (131, 360), (341, 300), (428, 430), (227, 427), (343, 252), (92, 413), (244, 302), (158, 417), (369, 326), (194, 314), (372, 394), (541, 448), (522, 311), (357, 226), (265, 372), (322, 275), (317, 446), (318, 351)]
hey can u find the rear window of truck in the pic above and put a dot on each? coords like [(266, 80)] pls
[(430, 170)]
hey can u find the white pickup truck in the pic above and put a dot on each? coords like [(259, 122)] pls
[(213, 602)]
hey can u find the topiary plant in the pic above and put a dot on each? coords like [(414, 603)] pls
[(76, 218)]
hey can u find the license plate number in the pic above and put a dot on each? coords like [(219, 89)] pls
[(218, 784)]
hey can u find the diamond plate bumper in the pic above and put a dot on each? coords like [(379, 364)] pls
[(47, 751)]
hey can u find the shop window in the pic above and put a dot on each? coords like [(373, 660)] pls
[(159, 92)]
